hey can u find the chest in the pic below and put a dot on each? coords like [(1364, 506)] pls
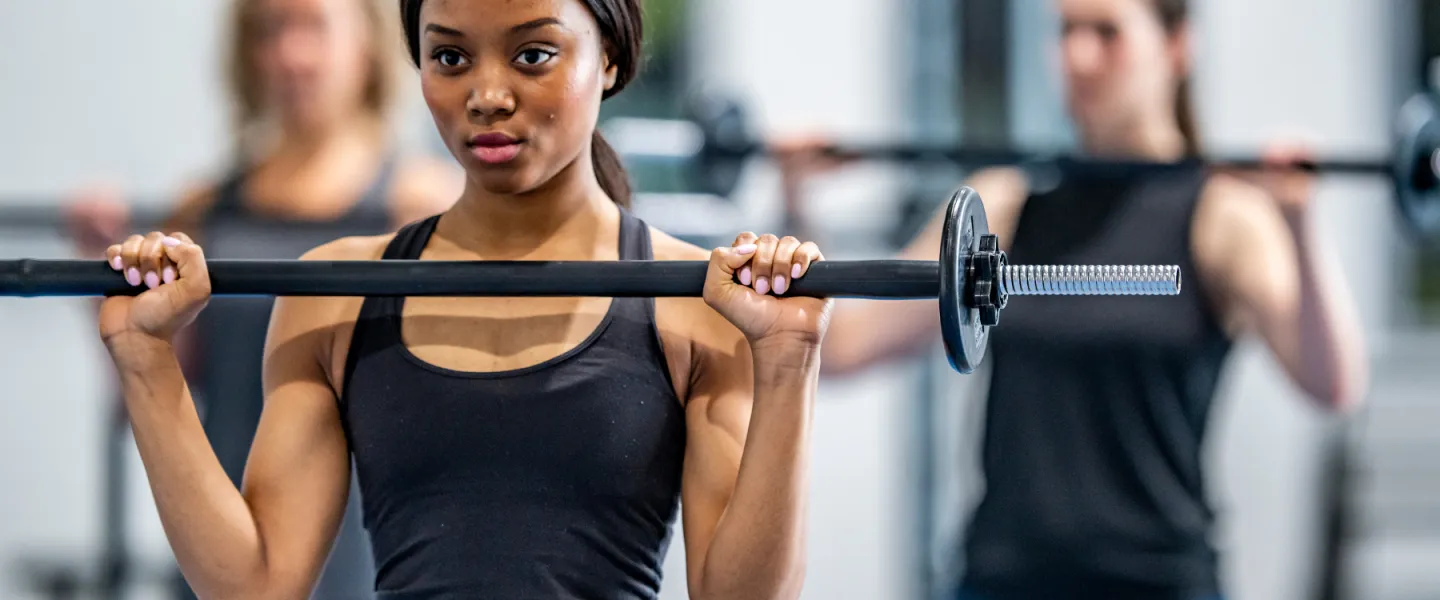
[(598, 417), (499, 334)]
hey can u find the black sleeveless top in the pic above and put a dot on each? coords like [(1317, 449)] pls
[(1098, 408), (558, 480)]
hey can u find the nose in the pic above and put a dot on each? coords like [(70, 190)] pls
[(1083, 53), (490, 94), (297, 51)]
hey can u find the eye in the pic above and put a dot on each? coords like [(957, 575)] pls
[(448, 58), (534, 56)]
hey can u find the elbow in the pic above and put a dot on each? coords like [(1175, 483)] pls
[(1343, 392)]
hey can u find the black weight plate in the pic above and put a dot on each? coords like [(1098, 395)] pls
[(965, 338), (1417, 188)]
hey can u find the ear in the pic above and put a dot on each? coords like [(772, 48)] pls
[(611, 73)]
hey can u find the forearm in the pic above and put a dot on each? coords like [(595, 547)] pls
[(1330, 359), (758, 550), (210, 527)]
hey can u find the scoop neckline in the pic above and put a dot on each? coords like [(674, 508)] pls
[(398, 326)]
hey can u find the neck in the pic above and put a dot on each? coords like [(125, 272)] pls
[(560, 219), (1157, 138)]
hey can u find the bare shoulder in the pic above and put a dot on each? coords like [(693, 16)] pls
[(669, 247), (1233, 211), (359, 247), (321, 327), (423, 186)]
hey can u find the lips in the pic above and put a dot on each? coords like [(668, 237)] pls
[(494, 148)]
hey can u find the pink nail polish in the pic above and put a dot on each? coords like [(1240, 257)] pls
[(152, 280), (745, 276), (116, 263), (745, 248), (132, 276), (795, 272), (169, 242), (780, 285), (762, 286), (168, 275)]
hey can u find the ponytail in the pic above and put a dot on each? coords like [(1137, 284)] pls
[(1185, 117), (609, 170)]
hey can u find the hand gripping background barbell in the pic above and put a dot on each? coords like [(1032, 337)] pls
[(972, 280), (714, 142)]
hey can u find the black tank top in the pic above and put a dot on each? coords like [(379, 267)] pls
[(559, 480), (1098, 406)]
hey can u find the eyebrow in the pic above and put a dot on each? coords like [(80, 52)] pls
[(536, 24), (526, 26)]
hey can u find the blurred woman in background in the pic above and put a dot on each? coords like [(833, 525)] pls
[(312, 83), (1097, 407)]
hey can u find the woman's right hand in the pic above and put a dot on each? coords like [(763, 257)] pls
[(173, 269), (96, 217)]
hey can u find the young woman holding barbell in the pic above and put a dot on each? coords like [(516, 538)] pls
[(504, 448), (1097, 407)]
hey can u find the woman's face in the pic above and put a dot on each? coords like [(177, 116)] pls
[(312, 57), (1119, 62), (514, 86)]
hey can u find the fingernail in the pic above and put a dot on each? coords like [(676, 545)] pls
[(132, 276), (795, 272), (762, 286), (116, 263), (169, 242), (745, 276), (780, 285), (168, 275), (745, 248), (152, 280)]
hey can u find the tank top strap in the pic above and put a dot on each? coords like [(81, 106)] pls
[(230, 193), (377, 326), (376, 199)]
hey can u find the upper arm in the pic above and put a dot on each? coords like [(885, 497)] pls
[(1246, 258), (1002, 190), (297, 478), (424, 187), (717, 416)]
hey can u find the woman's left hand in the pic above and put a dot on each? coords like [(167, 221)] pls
[(1290, 186), (747, 283)]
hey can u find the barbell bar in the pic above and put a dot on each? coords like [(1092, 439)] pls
[(972, 280), (713, 143)]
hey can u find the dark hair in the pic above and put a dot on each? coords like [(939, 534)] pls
[(621, 28), (1174, 14)]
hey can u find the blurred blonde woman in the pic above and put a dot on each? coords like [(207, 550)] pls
[(312, 84)]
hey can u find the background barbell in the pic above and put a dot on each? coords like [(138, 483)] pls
[(972, 279), (715, 141)]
